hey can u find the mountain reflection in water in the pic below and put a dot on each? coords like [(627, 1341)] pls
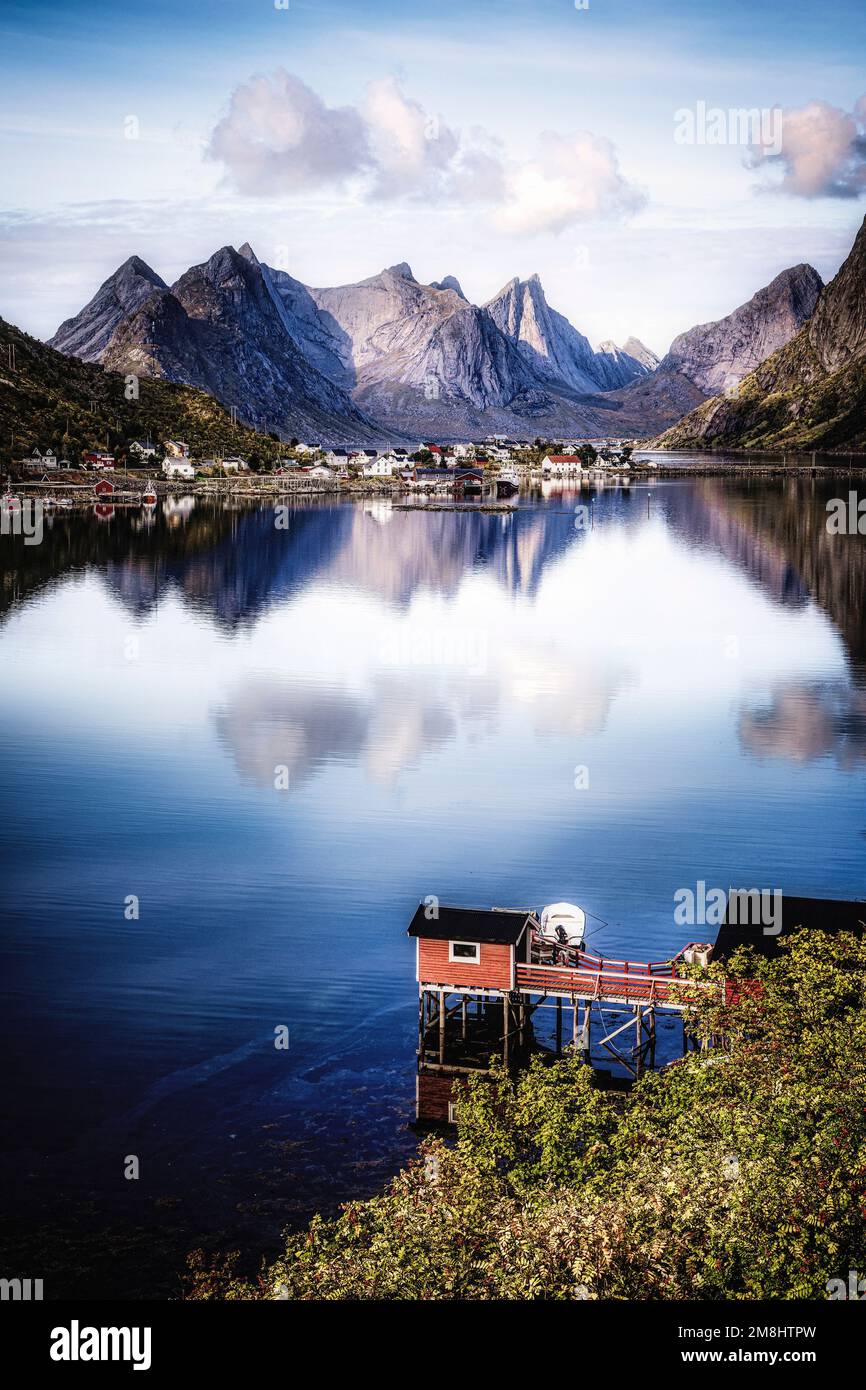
[(429, 682)]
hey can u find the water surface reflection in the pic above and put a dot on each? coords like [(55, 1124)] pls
[(430, 682)]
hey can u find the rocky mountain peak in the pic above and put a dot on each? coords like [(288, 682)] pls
[(715, 356), (227, 261), (449, 282), (810, 393), (837, 331), (552, 345), (134, 265), (89, 332), (636, 349), (422, 360)]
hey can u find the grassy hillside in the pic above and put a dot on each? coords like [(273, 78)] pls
[(789, 402), (735, 1173), (48, 400)]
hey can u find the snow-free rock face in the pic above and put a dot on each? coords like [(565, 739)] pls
[(383, 325), (220, 328), (716, 356), (88, 334), (614, 367), (837, 332), (450, 282), (633, 347), (810, 394), (545, 339), (419, 358), (391, 358), (552, 347)]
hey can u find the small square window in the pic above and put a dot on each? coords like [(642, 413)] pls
[(464, 950)]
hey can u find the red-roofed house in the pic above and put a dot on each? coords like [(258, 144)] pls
[(558, 465)]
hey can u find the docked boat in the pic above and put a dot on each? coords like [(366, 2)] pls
[(507, 482), (560, 933)]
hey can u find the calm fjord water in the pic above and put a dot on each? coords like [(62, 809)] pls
[(429, 683)]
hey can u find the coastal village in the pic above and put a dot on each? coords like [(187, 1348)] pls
[(496, 464)]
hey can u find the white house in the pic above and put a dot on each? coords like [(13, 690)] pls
[(381, 467), (319, 470), (178, 468), (337, 458), (142, 449), (40, 461), (560, 465), (235, 465)]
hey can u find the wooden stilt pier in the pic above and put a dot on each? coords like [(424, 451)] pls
[(489, 960)]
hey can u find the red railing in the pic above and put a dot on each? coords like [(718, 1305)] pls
[(637, 982)]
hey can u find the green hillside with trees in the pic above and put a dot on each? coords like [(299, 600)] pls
[(738, 1172), (50, 401)]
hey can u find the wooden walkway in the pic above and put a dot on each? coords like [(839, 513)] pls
[(600, 980)]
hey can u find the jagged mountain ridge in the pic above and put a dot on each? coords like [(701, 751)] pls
[(391, 334), (89, 332), (220, 328), (552, 346), (715, 356), (636, 349), (810, 393), (391, 358), (330, 362)]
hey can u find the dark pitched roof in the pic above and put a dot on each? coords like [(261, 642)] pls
[(819, 914), (469, 924)]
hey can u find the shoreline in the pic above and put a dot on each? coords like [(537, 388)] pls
[(81, 490)]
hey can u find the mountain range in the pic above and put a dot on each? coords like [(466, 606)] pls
[(393, 359), (51, 400), (808, 394)]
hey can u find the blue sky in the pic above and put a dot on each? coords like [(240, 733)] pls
[(483, 140)]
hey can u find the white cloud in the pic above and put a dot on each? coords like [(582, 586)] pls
[(823, 151), (279, 136), (572, 179), (411, 148)]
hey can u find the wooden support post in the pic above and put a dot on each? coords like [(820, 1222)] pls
[(506, 1029), (421, 1025), (463, 1017), (638, 1028), (652, 1038), (559, 1025), (441, 1026)]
